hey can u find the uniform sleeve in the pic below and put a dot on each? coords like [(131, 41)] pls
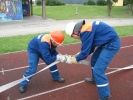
[(87, 48), (54, 52), (47, 56)]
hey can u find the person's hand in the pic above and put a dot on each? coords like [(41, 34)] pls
[(71, 60), (61, 58)]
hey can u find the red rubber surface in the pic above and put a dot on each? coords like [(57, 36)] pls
[(121, 83)]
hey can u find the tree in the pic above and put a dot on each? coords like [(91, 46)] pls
[(110, 4), (130, 4)]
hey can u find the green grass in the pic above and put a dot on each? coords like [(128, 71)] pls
[(17, 43), (124, 30), (84, 12)]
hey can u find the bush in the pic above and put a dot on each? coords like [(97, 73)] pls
[(54, 3), (101, 2), (89, 2)]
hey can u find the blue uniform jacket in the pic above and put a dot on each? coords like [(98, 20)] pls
[(94, 34), (43, 47)]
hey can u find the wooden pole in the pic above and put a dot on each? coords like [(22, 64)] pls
[(31, 8), (43, 9)]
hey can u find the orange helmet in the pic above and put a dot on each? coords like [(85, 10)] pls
[(57, 36)]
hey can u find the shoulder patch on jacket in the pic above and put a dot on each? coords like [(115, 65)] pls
[(86, 27), (46, 38)]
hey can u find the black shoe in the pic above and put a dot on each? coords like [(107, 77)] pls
[(22, 89), (90, 80), (104, 98), (61, 80)]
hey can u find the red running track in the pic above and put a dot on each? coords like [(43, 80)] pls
[(41, 87)]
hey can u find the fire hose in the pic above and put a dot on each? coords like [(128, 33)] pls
[(11, 84)]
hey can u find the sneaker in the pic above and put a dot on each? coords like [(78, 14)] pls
[(90, 80), (61, 80), (104, 98), (22, 89)]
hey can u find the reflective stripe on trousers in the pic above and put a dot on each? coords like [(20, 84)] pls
[(33, 59), (99, 61)]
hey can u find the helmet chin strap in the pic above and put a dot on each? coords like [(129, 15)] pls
[(52, 43), (78, 34)]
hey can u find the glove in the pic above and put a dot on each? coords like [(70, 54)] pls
[(71, 60), (61, 58)]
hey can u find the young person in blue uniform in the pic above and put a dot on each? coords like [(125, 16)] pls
[(44, 47), (101, 40)]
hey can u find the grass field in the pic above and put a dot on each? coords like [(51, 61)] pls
[(84, 12), (17, 43)]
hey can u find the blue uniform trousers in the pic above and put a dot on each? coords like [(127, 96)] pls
[(33, 57), (100, 61)]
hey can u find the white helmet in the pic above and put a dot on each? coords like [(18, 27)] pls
[(72, 26), (69, 28)]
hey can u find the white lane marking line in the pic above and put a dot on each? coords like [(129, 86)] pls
[(19, 68), (56, 89), (126, 46), (8, 98), (51, 90), (2, 71), (119, 69), (41, 63)]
